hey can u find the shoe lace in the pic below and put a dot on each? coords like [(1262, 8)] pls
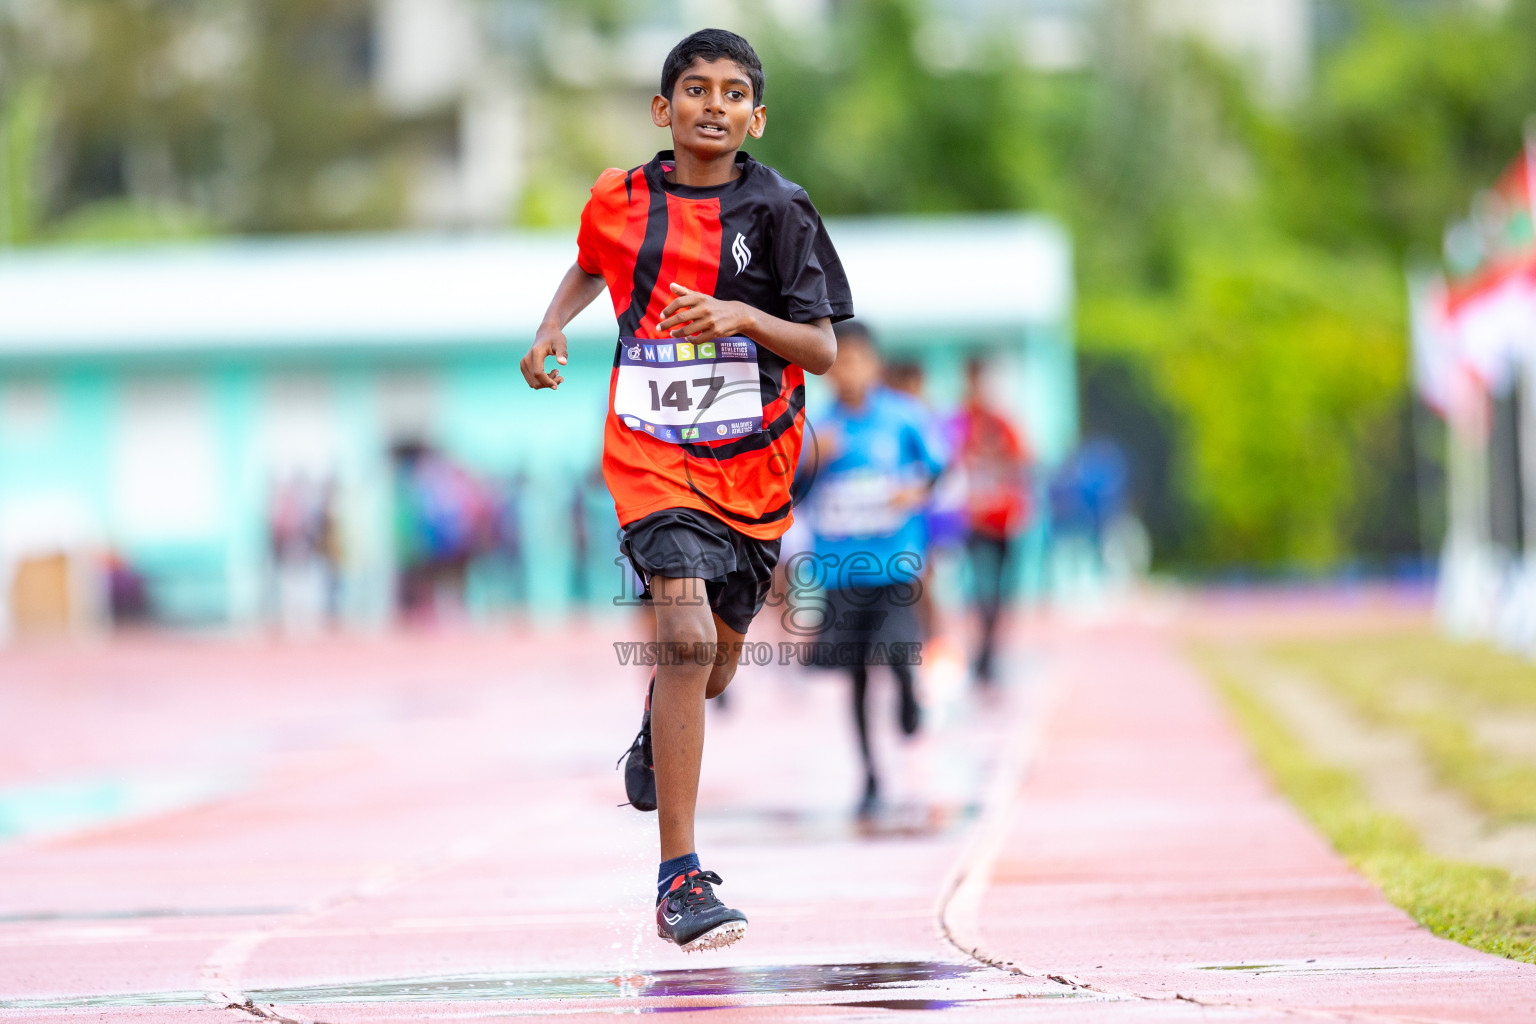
[(697, 893), (639, 744)]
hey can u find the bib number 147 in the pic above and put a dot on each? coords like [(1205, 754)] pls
[(677, 395)]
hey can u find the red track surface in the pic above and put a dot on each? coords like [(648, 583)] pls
[(424, 827)]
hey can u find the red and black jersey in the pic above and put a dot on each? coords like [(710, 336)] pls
[(756, 239)]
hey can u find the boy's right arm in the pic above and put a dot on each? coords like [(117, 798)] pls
[(576, 291)]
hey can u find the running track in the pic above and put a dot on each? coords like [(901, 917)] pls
[(423, 827)]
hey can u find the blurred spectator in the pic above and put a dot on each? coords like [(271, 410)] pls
[(906, 376), (304, 539), (509, 534), (443, 518), (1089, 492), (127, 592), (995, 460), (876, 468), (586, 487)]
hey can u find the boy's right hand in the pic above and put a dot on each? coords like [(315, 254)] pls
[(550, 341), (829, 444)]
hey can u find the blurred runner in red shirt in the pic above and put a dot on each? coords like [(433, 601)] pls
[(995, 460)]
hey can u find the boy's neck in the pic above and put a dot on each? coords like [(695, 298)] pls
[(854, 402), (703, 172)]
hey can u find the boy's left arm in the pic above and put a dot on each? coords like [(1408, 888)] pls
[(920, 452), (695, 316)]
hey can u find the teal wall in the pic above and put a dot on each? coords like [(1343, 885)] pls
[(62, 437)]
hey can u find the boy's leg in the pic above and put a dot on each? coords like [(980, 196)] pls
[(724, 670), (860, 675), (908, 713), (987, 556), (861, 720), (687, 910), (677, 707)]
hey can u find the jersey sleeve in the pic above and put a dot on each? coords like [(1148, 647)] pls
[(921, 446), (1013, 439), (810, 273), (596, 220), (587, 248)]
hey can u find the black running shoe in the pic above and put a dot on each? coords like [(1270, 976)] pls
[(639, 765), (869, 803), (909, 712), (691, 915)]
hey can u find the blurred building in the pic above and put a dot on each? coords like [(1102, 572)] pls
[(189, 431), (471, 62), (471, 65), (1272, 39), (369, 114), (436, 57)]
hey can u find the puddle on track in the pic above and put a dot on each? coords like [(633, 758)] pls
[(906, 985), (788, 825), (108, 1001), (706, 981)]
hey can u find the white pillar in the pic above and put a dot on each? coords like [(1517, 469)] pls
[(1468, 580)]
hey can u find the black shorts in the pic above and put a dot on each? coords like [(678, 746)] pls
[(870, 626), (686, 544)]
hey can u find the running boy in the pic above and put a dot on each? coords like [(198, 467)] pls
[(725, 286), (875, 466)]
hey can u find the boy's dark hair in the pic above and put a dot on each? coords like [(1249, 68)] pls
[(713, 44), (852, 330), (904, 374)]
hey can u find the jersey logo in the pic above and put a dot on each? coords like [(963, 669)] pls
[(741, 252)]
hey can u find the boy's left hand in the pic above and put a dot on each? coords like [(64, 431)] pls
[(913, 497), (700, 317)]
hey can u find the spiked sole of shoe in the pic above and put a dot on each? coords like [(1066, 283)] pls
[(717, 937), (638, 785)]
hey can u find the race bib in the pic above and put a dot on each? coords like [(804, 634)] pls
[(860, 503), (680, 391)]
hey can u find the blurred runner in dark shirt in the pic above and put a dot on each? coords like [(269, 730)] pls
[(995, 459)]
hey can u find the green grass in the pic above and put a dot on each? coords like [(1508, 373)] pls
[(1435, 690), (1478, 906)]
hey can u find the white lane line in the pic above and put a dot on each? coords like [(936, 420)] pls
[(960, 897)]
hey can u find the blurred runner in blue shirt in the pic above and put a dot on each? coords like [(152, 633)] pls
[(943, 513), (874, 467)]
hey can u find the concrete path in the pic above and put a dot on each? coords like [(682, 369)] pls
[(415, 828)]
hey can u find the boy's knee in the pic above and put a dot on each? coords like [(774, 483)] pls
[(685, 628), (719, 678)]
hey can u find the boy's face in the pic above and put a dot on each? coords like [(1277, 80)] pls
[(855, 372), (711, 109)]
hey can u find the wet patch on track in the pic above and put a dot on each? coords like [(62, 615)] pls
[(904, 985), (794, 826), (109, 1001), (668, 984)]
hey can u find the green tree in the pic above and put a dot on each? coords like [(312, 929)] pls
[(1242, 260), (169, 117), (22, 121)]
